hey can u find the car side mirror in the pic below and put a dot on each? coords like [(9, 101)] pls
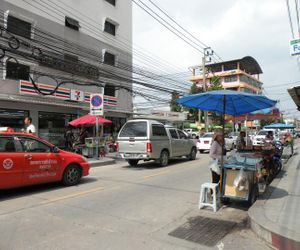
[(55, 149)]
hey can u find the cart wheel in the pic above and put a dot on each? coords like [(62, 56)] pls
[(254, 194)]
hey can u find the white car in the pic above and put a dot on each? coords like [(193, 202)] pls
[(259, 138), (193, 133), (204, 142)]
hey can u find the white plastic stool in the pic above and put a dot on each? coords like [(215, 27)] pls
[(205, 190)]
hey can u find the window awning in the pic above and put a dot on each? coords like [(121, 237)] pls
[(295, 94), (73, 22)]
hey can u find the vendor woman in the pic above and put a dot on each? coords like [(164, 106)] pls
[(241, 141)]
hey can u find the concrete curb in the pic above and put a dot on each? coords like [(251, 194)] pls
[(102, 162), (276, 235)]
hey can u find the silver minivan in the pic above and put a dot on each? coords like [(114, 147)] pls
[(151, 140)]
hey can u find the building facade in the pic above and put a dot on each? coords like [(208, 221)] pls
[(55, 54), (240, 75)]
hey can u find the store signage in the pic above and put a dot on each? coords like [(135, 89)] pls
[(26, 88), (96, 104), (295, 47), (77, 95)]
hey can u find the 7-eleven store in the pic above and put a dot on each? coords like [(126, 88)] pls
[(52, 113)]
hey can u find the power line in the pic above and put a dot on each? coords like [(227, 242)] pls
[(184, 29), (165, 24), (290, 18)]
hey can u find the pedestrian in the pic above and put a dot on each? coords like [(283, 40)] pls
[(216, 154), (83, 134), (69, 138), (30, 128)]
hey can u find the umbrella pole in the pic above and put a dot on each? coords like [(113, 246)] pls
[(223, 144)]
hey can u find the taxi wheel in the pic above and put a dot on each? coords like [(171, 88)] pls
[(71, 175)]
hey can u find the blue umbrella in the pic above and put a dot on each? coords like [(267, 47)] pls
[(280, 125), (227, 102)]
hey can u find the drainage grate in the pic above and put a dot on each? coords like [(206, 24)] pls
[(203, 230)]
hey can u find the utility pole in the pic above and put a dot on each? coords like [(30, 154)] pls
[(207, 53)]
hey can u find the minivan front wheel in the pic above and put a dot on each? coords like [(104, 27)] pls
[(164, 158), (133, 163)]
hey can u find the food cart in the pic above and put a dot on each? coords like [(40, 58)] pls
[(245, 174), (239, 177)]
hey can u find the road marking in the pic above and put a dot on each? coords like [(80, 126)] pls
[(160, 173), (73, 195)]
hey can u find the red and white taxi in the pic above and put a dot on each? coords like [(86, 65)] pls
[(26, 159)]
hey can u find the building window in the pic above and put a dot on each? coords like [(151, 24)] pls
[(17, 71), (109, 90), (18, 27), (72, 23), (112, 2), (230, 78), (109, 58), (110, 28)]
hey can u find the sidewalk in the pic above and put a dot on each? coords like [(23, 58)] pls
[(275, 216)]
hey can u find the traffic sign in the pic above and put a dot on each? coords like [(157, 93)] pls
[(295, 47), (96, 104)]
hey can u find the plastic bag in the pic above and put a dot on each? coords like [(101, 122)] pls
[(241, 181), (215, 166)]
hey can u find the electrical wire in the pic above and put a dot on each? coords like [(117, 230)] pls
[(290, 18)]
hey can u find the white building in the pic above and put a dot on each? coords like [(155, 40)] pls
[(86, 43)]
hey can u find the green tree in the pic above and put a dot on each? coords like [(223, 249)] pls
[(174, 106), (193, 113), (215, 84)]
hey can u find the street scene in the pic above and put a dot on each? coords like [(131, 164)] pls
[(145, 124)]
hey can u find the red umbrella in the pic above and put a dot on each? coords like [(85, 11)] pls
[(88, 119)]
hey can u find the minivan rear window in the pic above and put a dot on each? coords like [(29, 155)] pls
[(134, 129)]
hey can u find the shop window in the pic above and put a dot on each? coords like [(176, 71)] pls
[(109, 58), (109, 90), (112, 2), (230, 78), (52, 127), (13, 118), (18, 27), (72, 23), (17, 71), (110, 28)]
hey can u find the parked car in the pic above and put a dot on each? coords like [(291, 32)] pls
[(204, 142), (26, 159), (151, 140), (192, 132), (234, 136), (259, 138)]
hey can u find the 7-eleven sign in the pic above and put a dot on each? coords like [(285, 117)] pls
[(77, 95)]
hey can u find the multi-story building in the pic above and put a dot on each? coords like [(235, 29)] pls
[(240, 74), (83, 45)]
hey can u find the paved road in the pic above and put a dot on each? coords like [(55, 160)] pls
[(118, 207)]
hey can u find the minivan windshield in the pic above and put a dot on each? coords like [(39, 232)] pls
[(134, 129)]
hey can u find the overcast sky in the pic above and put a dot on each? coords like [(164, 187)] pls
[(234, 29)]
